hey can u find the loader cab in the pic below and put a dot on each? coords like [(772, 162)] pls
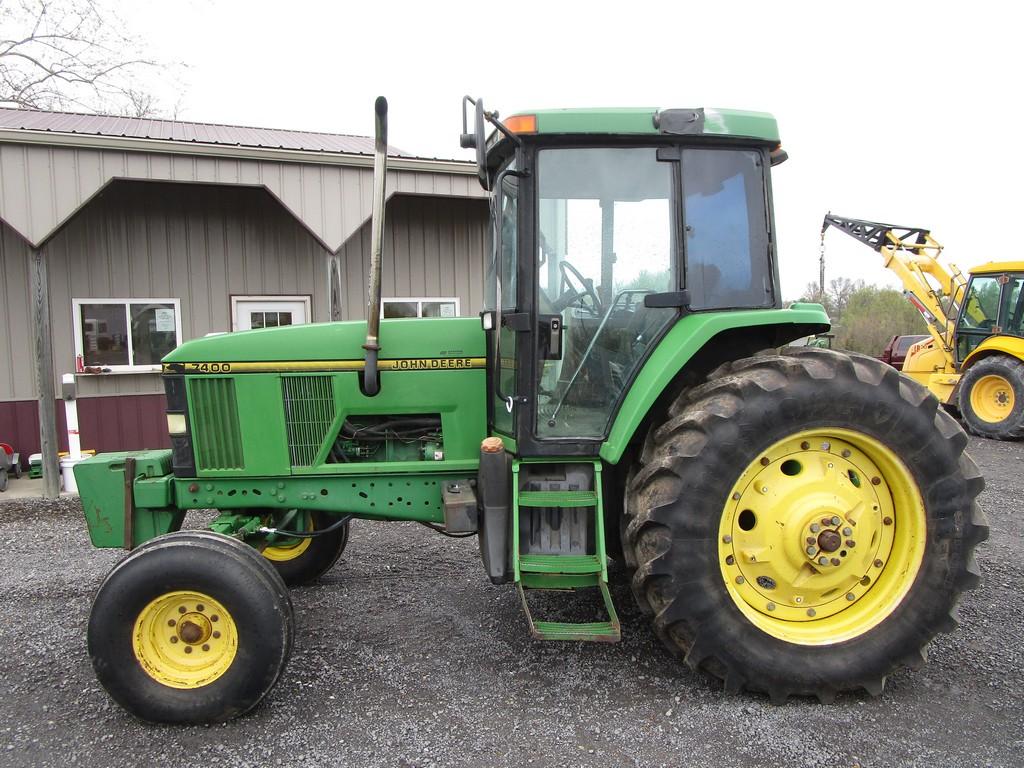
[(993, 305), (607, 227)]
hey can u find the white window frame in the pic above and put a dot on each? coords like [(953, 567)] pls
[(76, 316), (419, 303), (304, 298)]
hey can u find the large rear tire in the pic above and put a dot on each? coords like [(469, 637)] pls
[(803, 524), (991, 398), (192, 627)]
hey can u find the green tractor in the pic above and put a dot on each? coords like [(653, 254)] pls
[(795, 523)]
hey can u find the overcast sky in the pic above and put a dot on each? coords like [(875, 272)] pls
[(900, 111)]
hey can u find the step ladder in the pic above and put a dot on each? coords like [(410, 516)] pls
[(563, 572)]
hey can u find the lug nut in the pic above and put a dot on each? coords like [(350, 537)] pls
[(835, 561), (846, 453), (736, 497), (200, 607), (771, 606), (740, 580), (887, 520), (836, 520), (811, 539), (810, 550), (822, 561), (730, 560), (206, 647), (851, 543), (215, 617), (188, 649), (826, 520), (171, 622), (876, 481), (847, 531), (174, 639), (811, 612), (726, 539), (850, 596), (804, 445), (181, 609), (216, 635), (815, 527), (878, 563), (765, 461), (826, 446)]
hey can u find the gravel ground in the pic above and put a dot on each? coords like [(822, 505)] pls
[(406, 656)]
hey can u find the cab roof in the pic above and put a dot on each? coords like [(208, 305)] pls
[(735, 123), (998, 267)]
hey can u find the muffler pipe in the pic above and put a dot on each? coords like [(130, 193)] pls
[(371, 374)]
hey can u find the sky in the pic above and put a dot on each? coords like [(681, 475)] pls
[(900, 111)]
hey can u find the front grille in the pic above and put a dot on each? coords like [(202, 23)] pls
[(215, 432), (308, 414)]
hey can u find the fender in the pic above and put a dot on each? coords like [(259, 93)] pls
[(679, 346), (993, 345)]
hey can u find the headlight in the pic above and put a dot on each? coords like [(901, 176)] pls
[(176, 424)]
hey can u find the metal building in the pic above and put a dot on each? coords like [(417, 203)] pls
[(122, 237)]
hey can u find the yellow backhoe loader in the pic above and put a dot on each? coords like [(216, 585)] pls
[(974, 360)]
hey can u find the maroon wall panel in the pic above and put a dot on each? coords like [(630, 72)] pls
[(123, 423)]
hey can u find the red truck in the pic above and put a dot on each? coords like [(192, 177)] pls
[(895, 352)]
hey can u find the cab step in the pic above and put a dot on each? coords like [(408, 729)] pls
[(550, 503)]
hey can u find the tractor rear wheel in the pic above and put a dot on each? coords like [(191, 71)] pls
[(991, 398), (301, 561), (803, 524), (192, 627)]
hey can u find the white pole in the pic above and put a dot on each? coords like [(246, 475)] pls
[(71, 415)]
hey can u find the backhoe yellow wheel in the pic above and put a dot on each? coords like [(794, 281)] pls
[(191, 627), (803, 523), (303, 560), (992, 397)]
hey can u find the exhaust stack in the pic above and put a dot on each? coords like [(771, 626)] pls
[(371, 374)]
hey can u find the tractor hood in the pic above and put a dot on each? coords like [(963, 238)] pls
[(333, 346)]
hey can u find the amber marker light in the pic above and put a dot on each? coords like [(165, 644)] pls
[(522, 124)]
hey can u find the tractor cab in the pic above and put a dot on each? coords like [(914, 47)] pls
[(608, 226), (993, 305)]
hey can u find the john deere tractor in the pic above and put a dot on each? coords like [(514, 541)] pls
[(796, 523)]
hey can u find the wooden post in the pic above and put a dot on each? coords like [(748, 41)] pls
[(43, 351)]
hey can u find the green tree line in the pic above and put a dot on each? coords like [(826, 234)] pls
[(864, 317)]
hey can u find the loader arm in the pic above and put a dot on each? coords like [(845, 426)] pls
[(913, 254)]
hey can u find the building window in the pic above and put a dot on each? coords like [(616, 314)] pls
[(124, 335), (419, 306), (251, 312)]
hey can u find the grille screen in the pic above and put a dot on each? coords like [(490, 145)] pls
[(308, 413), (215, 432)]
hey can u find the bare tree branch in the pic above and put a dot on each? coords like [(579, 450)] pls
[(74, 55)]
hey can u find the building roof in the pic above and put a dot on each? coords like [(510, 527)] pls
[(182, 132)]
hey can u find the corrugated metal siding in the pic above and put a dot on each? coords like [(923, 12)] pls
[(432, 247), (126, 423), (199, 244), (16, 369), (203, 243), (42, 186)]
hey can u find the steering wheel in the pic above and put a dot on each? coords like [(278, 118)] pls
[(570, 293)]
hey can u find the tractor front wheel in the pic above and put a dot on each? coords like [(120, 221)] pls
[(192, 627), (803, 524), (991, 398), (303, 560)]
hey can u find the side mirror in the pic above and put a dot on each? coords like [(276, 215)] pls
[(476, 140)]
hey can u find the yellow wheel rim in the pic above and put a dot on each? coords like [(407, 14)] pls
[(289, 549), (185, 639), (992, 398), (822, 537)]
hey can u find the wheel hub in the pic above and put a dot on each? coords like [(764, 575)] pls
[(185, 639), (808, 530)]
